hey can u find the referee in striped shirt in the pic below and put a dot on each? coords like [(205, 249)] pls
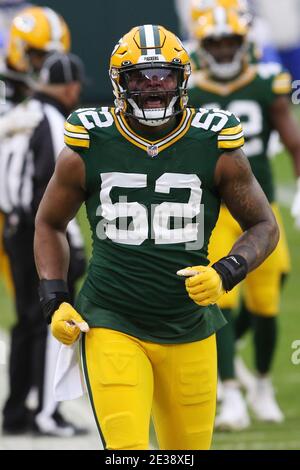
[(27, 161)]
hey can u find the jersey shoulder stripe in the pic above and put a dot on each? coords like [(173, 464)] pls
[(232, 134), (231, 130), (76, 136), (282, 84), (227, 126), (279, 78)]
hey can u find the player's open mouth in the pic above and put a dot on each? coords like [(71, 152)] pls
[(153, 101)]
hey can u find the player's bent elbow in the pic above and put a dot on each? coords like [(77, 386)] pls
[(273, 234)]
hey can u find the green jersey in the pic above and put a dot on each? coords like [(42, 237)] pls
[(152, 206), (249, 97)]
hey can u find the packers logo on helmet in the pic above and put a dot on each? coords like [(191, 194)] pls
[(149, 70), (38, 28), (210, 29)]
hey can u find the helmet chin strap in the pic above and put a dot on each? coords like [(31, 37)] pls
[(154, 116)]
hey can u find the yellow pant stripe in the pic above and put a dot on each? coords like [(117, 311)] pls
[(88, 386)]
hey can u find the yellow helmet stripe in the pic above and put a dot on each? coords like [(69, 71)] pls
[(54, 24)]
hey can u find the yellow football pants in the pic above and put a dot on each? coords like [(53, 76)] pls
[(262, 286), (128, 379)]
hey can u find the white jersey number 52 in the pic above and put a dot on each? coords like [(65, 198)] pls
[(138, 231)]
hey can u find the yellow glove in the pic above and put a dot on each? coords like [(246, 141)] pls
[(204, 285), (67, 324)]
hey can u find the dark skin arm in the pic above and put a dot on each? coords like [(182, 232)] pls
[(62, 200), (285, 123), (248, 204)]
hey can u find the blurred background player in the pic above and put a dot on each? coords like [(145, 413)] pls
[(200, 8), (189, 12), (258, 94), (273, 41), (8, 10), (34, 32), (32, 139)]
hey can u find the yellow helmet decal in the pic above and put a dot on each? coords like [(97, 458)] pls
[(39, 28), (200, 7), (220, 22), (148, 43)]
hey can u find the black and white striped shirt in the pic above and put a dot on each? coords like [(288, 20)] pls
[(28, 152), (33, 140)]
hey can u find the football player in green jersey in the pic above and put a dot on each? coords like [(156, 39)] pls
[(199, 9), (258, 94), (151, 173)]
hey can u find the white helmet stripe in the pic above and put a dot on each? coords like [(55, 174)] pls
[(150, 41), (220, 16), (55, 24)]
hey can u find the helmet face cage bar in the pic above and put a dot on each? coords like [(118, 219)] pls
[(135, 99)]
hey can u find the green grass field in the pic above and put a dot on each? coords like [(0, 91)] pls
[(286, 375)]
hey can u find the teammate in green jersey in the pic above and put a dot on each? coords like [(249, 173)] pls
[(258, 94), (199, 9), (151, 173)]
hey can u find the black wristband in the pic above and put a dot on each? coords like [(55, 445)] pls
[(232, 269), (52, 293)]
